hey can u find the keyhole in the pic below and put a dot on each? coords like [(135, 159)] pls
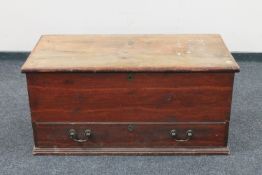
[(130, 77), (130, 128)]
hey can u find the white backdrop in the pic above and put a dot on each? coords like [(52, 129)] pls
[(23, 21)]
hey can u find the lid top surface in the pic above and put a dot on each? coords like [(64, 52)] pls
[(85, 53)]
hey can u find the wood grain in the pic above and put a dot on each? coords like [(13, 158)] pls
[(153, 83), (99, 53), (111, 97), (117, 135)]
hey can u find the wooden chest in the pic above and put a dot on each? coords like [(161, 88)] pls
[(130, 94)]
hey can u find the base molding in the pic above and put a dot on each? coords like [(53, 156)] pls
[(131, 151)]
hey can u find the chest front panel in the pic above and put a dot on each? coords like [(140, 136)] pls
[(136, 97)]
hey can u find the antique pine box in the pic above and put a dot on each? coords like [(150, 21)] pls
[(130, 94)]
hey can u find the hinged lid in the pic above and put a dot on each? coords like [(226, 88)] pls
[(100, 53)]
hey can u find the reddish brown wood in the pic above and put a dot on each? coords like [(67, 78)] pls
[(143, 135), (113, 97), (107, 82)]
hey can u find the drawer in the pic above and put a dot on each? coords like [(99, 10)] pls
[(129, 135), (136, 97)]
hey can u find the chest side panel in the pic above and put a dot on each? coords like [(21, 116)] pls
[(138, 97)]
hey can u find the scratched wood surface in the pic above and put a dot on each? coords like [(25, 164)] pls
[(94, 53), (114, 97)]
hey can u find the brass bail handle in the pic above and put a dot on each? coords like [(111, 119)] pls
[(74, 136), (189, 135)]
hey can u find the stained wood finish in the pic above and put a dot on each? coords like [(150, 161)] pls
[(132, 151), (118, 135), (156, 83), (85, 53), (101, 97)]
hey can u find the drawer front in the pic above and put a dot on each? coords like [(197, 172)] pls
[(123, 97), (132, 135)]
